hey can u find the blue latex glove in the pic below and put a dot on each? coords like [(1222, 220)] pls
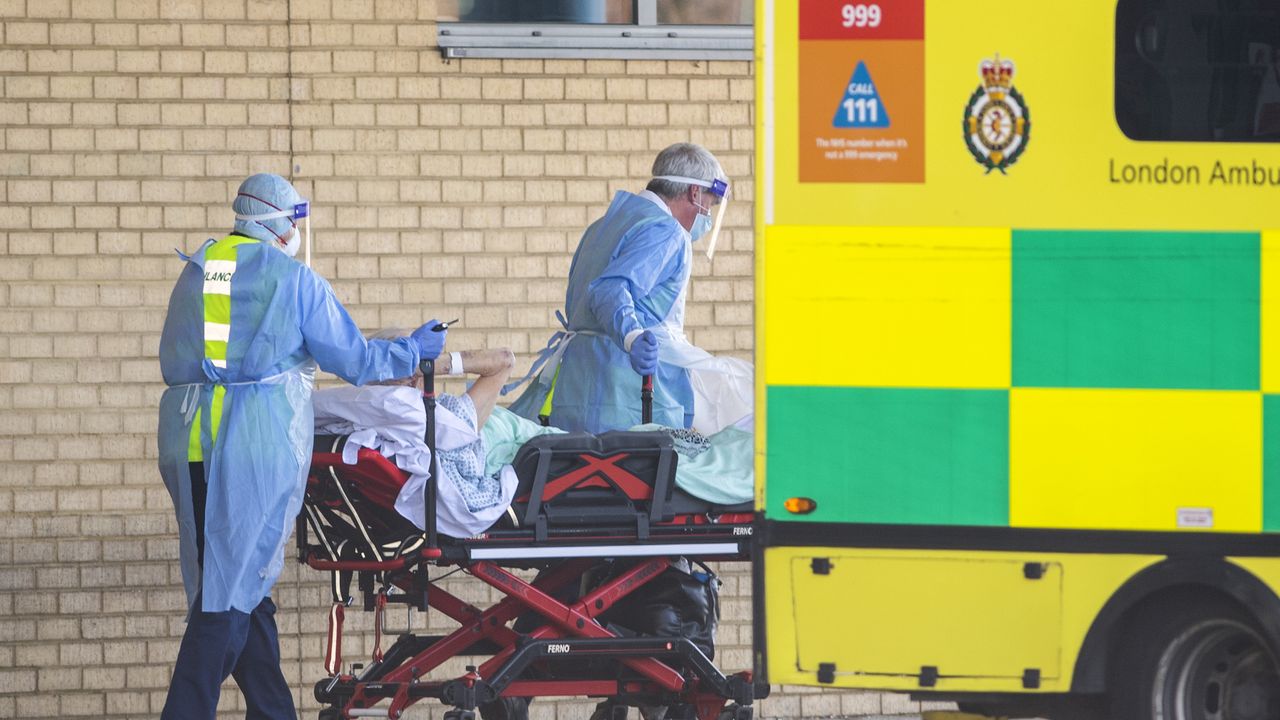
[(430, 342), (644, 353)]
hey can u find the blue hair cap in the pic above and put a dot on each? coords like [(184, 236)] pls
[(261, 194)]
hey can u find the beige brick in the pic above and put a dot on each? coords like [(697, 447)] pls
[(646, 114), (545, 191), (353, 61), (19, 680), (224, 9), (613, 114), (31, 86), (460, 88), (200, 88), (154, 34), (687, 115), (379, 88), (526, 166), (502, 88), (48, 61), (393, 115), (396, 61), (462, 139), (502, 191), (203, 35), (115, 34), (417, 88), (13, 60), (540, 140), (523, 115), (26, 33), (71, 33), (499, 139), (159, 87), (225, 62), (670, 89)]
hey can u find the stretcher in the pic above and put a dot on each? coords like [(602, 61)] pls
[(581, 501)]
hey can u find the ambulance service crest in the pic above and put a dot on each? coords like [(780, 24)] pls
[(997, 123)]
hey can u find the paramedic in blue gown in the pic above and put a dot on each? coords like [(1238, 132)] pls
[(625, 302), (247, 325)]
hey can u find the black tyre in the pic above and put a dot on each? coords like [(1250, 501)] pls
[(1185, 659)]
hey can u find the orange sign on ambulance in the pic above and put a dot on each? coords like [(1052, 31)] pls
[(861, 113)]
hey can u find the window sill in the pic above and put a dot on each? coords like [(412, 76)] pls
[(630, 42)]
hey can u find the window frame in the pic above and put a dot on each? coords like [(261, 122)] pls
[(644, 39)]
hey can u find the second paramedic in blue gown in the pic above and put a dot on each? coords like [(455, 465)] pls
[(626, 299), (246, 327)]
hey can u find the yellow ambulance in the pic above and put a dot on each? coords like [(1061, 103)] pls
[(1018, 343)]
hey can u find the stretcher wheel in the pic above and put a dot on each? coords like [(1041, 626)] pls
[(460, 715), (330, 713), (736, 712)]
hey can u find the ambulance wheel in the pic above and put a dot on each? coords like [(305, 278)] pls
[(1194, 660)]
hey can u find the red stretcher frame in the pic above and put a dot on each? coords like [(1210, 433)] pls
[(658, 671)]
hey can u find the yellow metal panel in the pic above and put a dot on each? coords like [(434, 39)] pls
[(1134, 458), (1064, 57), (953, 611), (1270, 312), (1266, 569), (893, 307), (997, 623)]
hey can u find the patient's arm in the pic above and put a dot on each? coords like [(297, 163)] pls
[(493, 367)]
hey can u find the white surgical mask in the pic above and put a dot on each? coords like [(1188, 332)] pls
[(295, 241)]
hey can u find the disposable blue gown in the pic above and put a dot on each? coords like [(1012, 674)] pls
[(630, 271), (283, 316)]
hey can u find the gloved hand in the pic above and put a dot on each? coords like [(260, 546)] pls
[(644, 353), (430, 342)]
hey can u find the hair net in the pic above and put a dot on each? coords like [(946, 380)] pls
[(260, 194)]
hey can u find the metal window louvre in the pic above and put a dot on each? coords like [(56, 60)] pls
[(664, 42)]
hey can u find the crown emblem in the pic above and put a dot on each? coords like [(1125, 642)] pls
[(997, 75), (997, 123)]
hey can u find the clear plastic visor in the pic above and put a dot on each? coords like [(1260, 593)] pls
[(720, 191)]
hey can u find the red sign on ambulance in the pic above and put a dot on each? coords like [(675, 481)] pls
[(877, 20)]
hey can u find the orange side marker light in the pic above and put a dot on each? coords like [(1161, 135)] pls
[(800, 505)]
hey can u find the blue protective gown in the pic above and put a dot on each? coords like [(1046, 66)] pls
[(629, 272), (284, 319)]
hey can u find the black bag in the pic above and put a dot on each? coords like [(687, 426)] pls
[(681, 602)]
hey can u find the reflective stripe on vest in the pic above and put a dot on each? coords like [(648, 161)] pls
[(219, 267)]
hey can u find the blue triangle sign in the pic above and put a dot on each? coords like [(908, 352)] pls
[(861, 107)]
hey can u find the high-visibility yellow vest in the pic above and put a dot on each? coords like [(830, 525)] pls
[(219, 267)]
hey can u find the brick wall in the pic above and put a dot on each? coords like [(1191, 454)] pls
[(446, 189)]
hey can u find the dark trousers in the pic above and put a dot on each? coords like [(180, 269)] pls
[(215, 645)]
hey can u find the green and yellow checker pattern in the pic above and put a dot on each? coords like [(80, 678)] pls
[(1027, 378)]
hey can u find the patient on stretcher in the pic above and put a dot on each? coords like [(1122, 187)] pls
[(476, 442)]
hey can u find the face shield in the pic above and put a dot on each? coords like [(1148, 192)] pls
[(300, 211), (720, 191)]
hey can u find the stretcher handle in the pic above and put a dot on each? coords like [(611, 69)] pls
[(646, 399), (428, 367)]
